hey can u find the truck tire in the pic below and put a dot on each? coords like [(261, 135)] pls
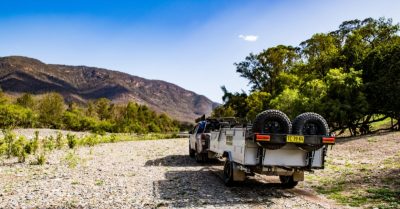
[(200, 157), (228, 173), (191, 151), (272, 122), (310, 123), (288, 182)]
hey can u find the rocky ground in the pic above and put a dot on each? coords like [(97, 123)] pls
[(141, 174)]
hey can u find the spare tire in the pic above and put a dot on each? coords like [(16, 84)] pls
[(272, 122), (310, 123)]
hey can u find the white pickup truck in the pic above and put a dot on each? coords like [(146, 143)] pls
[(272, 145)]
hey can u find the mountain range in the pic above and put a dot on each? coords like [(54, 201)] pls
[(81, 84)]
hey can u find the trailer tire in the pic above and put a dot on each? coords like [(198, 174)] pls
[(228, 173), (192, 152), (310, 123), (288, 182), (272, 122)]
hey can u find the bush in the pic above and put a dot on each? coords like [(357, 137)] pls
[(71, 159), (48, 143), (35, 142), (113, 138), (40, 159), (9, 138), (71, 140), (90, 140), (59, 140), (15, 116), (18, 149)]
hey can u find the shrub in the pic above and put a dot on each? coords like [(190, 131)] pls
[(113, 138), (71, 140), (90, 140), (3, 147), (26, 101), (59, 140), (40, 159), (71, 159), (15, 115), (35, 142), (9, 138), (18, 149), (48, 143)]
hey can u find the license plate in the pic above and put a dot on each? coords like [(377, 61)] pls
[(295, 139)]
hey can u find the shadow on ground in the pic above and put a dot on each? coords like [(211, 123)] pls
[(179, 161), (205, 187), (345, 139)]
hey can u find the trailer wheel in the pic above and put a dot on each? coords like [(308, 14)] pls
[(288, 182), (310, 123), (228, 173), (191, 152), (272, 122)]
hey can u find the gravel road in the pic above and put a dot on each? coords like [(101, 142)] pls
[(138, 174)]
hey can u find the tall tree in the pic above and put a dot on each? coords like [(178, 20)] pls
[(51, 108)]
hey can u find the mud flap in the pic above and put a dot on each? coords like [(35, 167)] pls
[(298, 176), (238, 175)]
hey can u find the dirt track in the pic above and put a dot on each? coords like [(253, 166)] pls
[(139, 174)]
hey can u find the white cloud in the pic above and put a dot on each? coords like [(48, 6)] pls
[(250, 38)]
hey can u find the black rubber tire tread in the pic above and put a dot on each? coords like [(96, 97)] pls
[(288, 182), (228, 173), (310, 117), (272, 115)]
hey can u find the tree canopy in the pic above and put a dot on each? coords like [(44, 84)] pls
[(348, 75)]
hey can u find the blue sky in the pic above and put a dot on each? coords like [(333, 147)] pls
[(192, 43)]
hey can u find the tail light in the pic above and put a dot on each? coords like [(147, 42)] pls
[(265, 138), (328, 140)]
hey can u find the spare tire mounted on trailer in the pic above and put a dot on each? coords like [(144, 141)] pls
[(310, 123), (272, 122)]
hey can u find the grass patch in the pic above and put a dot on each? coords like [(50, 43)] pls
[(99, 182), (72, 160), (361, 185), (385, 197), (383, 124)]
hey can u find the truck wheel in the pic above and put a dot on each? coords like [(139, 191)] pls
[(310, 123), (288, 182), (272, 122), (200, 157), (191, 151), (228, 173)]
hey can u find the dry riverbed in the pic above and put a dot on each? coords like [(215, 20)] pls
[(149, 174)]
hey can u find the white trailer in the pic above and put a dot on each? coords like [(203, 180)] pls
[(269, 146)]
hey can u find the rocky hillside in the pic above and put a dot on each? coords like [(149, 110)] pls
[(82, 83)]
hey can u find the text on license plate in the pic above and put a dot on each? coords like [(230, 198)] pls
[(295, 139)]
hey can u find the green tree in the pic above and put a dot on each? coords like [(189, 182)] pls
[(103, 108), (345, 103), (262, 70), (12, 116), (26, 100), (51, 108), (257, 102), (381, 77), (236, 101), (222, 111)]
